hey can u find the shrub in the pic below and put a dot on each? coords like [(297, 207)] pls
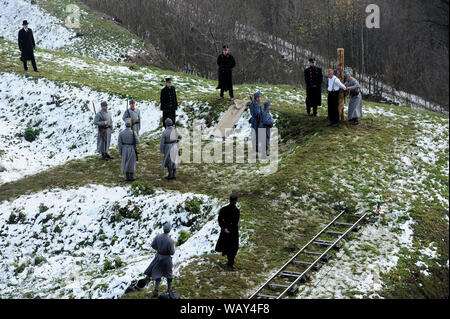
[(193, 205), (15, 219), (142, 188), (39, 260), (43, 208), (183, 236), (108, 265), (31, 134), (129, 211), (118, 262)]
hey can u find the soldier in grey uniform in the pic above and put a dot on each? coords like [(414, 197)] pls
[(103, 121), (169, 147), (355, 103), (162, 266), (134, 114), (128, 140)]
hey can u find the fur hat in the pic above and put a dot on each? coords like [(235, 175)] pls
[(167, 228)]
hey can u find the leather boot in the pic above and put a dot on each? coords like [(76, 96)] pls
[(169, 177), (155, 291), (174, 173), (132, 179), (169, 286)]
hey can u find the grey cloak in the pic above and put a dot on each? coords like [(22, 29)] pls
[(126, 150), (161, 266), (135, 118), (355, 103), (169, 147), (104, 132)]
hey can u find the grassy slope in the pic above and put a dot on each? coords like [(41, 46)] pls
[(274, 215)]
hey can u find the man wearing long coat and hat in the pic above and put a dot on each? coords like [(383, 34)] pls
[(314, 80), (27, 46), (169, 147), (162, 265), (128, 139), (134, 114), (226, 63), (169, 102), (228, 243)]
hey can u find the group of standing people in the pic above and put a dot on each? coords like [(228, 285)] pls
[(314, 81), (227, 244), (129, 137)]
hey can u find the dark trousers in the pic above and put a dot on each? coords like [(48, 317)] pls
[(222, 92), (33, 62), (313, 99), (230, 257), (333, 107), (169, 115)]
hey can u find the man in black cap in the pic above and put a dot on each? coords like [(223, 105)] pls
[(26, 46), (314, 80), (169, 103), (228, 243), (226, 63)]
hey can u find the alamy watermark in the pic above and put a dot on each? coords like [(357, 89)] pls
[(373, 19), (73, 19), (196, 147)]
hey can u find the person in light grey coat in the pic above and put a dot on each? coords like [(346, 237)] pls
[(162, 266), (134, 114), (127, 150), (169, 147), (355, 103), (103, 121)]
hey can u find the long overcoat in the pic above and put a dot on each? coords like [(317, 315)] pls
[(104, 131), (355, 103), (228, 243), (26, 44), (226, 64), (161, 265), (127, 151)]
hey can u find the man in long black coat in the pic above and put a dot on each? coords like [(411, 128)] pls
[(26, 46), (226, 63), (228, 243), (314, 80), (169, 102)]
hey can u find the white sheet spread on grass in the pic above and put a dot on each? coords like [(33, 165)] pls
[(49, 32), (59, 247), (67, 131)]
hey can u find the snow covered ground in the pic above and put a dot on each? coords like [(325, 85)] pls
[(374, 251), (49, 32), (58, 243), (67, 130)]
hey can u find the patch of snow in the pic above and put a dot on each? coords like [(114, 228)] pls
[(67, 131), (49, 32), (59, 246)]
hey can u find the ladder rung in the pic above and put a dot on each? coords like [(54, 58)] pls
[(335, 233), (290, 274), (323, 243), (316, 267), (265, 297), (291, 291), (313, 253)]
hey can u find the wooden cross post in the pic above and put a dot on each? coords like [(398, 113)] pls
[(340, 67)]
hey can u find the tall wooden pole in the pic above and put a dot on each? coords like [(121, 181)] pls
[(340, 67)]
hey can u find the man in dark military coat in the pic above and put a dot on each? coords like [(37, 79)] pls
[(226, 63), (314, 80), (228, 243), (169, 102)]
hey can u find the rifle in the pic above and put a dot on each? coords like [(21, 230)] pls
[(99, 129), (134, 137)]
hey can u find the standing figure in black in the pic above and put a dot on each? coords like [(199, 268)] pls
[(26, 46), (314, 80), (228, 243), (169, 103), (226, 63)]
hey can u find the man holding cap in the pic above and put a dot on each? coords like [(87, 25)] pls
[(169, 102), (27, 46), (256, 113), (162, 266), (226, 63), (228, 243)]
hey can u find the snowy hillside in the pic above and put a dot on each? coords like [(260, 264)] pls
[(66, 129), (93, 241), (49, 32)]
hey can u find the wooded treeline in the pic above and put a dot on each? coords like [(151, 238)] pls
[(271, 39)]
